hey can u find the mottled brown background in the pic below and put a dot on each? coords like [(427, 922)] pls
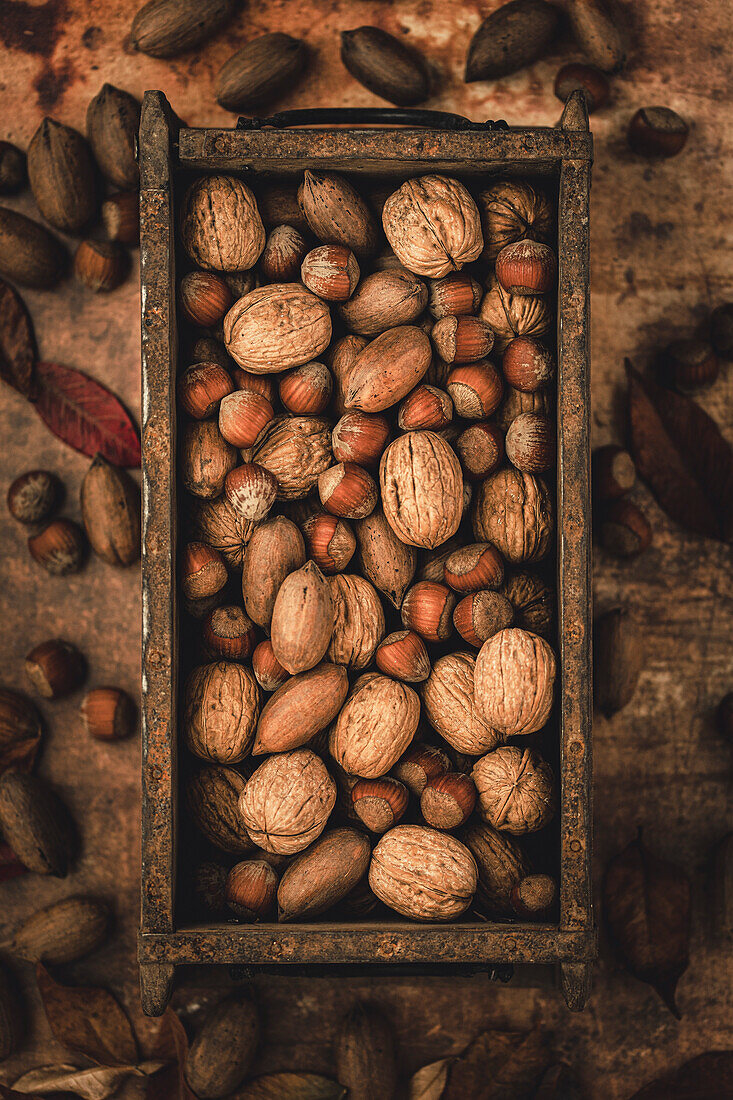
[(661, 258)]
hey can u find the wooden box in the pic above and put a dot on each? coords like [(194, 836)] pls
[(412, 143)]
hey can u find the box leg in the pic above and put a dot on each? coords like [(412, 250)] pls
[(156, 986), (575, 981)]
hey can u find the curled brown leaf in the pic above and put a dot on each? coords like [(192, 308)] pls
[(88, 1020)]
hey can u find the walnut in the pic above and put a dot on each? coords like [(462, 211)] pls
[(213, 800), (423, 874), (516, 790), (513, 315), (533, 602), (287, 801), (220, 526), (514, 680), (448, 701), (377, 723), (514, 511), (296, 449), (515, 402), (221, 227), (221, 705), (277, 326), (433, 226), (501, 865), (513, 211), (358, 621), (422, 489)]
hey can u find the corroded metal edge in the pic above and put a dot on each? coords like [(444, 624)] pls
[(368, 943), (159, 628)]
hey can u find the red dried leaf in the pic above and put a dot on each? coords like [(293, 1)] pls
[(647, 908), (86, 415), (10, 865), (18, 353), (680, 453), (171, 1045), (498, 1065), (88, 1020), (707, 1077)]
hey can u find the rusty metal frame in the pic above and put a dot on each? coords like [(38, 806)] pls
[(166, 149)]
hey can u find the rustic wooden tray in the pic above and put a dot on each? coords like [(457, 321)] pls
[(412, 143)]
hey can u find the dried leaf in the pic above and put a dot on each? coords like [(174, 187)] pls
[(499, 1065), (92, 1084), (86, 415), (88, 1020), (707, 1077), (291, 1086), (18, 353), (680, 453), (171, 1045), (430, 1081), (647, 908), (10, 865)]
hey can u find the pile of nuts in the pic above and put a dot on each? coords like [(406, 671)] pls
[(365, 437)]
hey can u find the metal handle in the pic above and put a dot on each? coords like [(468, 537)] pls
[(368, 116)]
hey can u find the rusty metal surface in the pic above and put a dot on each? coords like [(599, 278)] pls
[(662, 255)]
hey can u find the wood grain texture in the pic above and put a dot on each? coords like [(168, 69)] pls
[(662, 255)]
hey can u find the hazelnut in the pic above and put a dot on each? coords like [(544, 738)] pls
[(585, 78), (530, 443), (527, 364), (425, 407), (625, 530), (108, 714), (239, 283), (331, 271), (614, 473), (228, 634), (380, 803), (121, 217), (204, 298), (347, 490), (360, 437), (480, 448), (456, 295), (55, 668), (474, 567), (427, 609), (724, 717), (209, 879), (479, 615), (208, 350), (306, 390), (330, 542), (533, 896), (242, 416), (403, 656), (688, 365), (251, 490), (448, 800), (420, 765), (202, 387), (526, 267), (251, 889), (100, 265), (33, 496), (516, 790), (269, 673), (464, 339), (60, 547), (263, 384), (657, 132), (721, 330), (475, 390), (282, 255), (203, 572)]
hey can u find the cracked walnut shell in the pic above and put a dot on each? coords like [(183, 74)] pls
[(422, 489), (287, 801), (516, 790), (220, 711), (423, 874), (433, 226), (512, 210), (296, 450), (448, 701), (514, 680), (375, 726), (513, 510), (511, 315)]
